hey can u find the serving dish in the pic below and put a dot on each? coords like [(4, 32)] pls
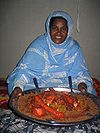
[(52, 122)]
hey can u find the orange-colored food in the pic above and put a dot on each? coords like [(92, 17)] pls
[(60, 106), (38, 111)]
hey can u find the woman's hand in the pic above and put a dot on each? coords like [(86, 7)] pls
[(82, 87), (15, 94)]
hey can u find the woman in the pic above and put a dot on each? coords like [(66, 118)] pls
[(52, 58)]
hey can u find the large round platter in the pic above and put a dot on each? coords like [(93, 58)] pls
[(53, 122)]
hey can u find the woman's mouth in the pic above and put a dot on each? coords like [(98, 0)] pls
[(58, 37)]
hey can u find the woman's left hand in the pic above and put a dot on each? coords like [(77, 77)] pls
[(82, 87)]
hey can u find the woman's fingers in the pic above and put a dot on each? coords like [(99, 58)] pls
[(82, 87), (15, 95)]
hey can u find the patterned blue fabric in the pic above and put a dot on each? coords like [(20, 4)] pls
[(51, 63)]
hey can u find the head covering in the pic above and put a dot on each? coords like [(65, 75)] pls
[(66, 16), (58, 49)]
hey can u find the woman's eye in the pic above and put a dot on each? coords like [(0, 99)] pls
[(63, 29), (54, 28)]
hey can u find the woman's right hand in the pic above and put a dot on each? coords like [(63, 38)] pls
[(15, 94)]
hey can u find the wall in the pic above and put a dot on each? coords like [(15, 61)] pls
[(21, 21)]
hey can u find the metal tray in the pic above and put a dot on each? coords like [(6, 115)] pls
[(53, 122)]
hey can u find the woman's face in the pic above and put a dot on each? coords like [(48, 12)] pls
[(59, 30)]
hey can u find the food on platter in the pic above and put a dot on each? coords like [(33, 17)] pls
[(60, 106)]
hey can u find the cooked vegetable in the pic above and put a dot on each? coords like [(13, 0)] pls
[(38, 111), (49, 109)]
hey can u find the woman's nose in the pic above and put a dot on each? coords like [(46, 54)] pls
[(59, 31)]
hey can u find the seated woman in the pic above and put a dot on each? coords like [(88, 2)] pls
[(52, 58)]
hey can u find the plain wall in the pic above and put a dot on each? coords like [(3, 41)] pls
[(21, 21)]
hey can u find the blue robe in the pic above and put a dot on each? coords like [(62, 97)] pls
[(51, 63)]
